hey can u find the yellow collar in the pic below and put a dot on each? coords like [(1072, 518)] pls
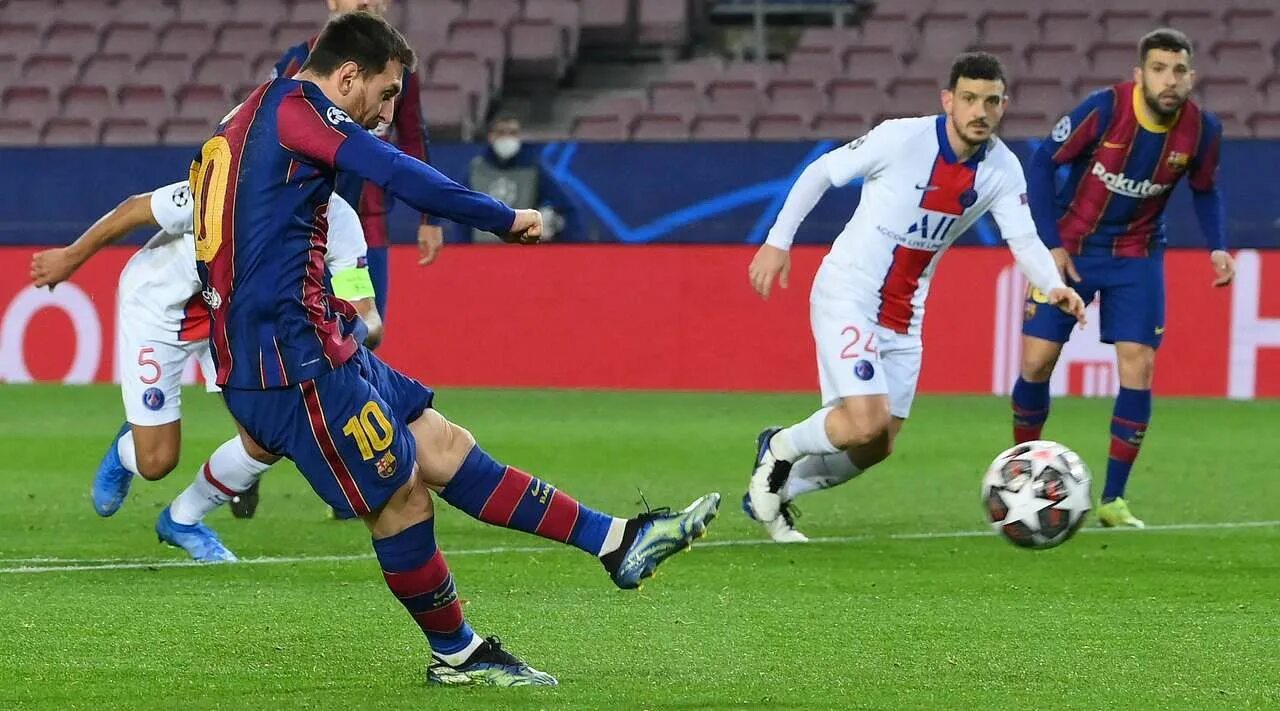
[(1143, 113)]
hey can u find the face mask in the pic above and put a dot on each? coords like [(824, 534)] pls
[(506, 147)]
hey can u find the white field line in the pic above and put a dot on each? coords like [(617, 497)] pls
[(25, 565)]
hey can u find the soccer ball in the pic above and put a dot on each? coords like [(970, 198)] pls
[(1036, 494)]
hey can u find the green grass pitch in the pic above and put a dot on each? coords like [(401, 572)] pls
[(1185, 615)]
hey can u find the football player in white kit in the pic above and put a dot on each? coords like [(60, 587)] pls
[(926, 180), (161, 323)]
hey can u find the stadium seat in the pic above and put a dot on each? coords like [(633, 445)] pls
[(858, 97), (28, 101), (244, 39), (1012, 56), (128, 132), (840, 127), (759, 73), (166, 70), (799, 97), (153, 13), (499, 12), (1271, 94), (52, 70), (663, 22), (134, 39), (110, 70), (145, 102), (675, 97), (10, 68), (603, 127), (1045, 95), (659, 127), (734, 96), (227, 70), (915, 97), (1114, 59), (1025, 124), (1235, 95), (820, 64), (193, 39), (186, 132), (20, 39), (781, 127), (625, 106), (943, 35), (41, 13), (316, 14), (210, 12), (1015, 28), (1253, 24), (835, 39), (607, 23), (467, 71), (288, 34), (18, 132), (1265, 125), (878, 62), (896, 31), (1075, 27), (537, 50), (1127, 25), (1249, 59), (94, 13), (209, 102), (420, 16), (720, 127), (69, 132), (1204, 26), (483, 38), (266, 14), (450, 114), (565, 13), (699, 71), (87, 101), (76, 39)]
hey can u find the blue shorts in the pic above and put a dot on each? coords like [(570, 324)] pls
[(347, 430), (1132, 301)]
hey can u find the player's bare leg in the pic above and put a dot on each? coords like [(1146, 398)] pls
[(467, 478), (1030, 396), (147, 451), (1129, 421), (403, 533)]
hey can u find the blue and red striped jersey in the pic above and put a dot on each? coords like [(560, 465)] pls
[(1122, 169), (408, 127), (262, 185)]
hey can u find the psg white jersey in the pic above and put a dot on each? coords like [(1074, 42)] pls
[(159, 287), (916, 200)]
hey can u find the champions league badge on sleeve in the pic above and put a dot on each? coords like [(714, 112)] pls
[(153, 398), (968, 198)]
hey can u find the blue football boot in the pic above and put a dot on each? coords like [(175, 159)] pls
[(111, 483), (654, 536), (197, 539)]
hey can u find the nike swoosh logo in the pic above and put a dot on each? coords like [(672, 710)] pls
[(927, 188), (1109, 144), (314, 360)]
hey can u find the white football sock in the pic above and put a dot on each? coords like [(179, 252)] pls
[(806, 437), (128, 454), (229, 471), (457, 658), (613, 538), (819, 472)]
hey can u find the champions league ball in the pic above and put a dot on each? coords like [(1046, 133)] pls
[(1036, 494)]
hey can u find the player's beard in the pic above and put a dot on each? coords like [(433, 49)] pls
[(1153, 102), (964, 132)]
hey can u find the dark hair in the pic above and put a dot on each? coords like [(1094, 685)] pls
[(976, 65), (367, 40), (1165, 38)]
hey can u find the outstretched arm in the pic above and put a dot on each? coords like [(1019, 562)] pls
[(54, 266)]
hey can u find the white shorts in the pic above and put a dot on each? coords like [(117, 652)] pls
[(857, 356), (152, 372)]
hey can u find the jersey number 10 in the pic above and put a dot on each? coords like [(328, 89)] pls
[(209, 178)]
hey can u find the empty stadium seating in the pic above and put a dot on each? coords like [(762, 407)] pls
[(170, 66)]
